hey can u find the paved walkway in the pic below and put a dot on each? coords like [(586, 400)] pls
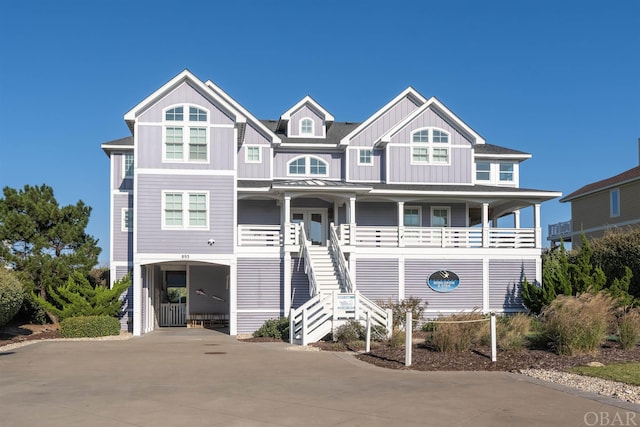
[(198, 377)]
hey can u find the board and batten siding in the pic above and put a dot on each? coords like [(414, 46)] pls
[(184, 94), (368, 173), (150, 146), (306, 112), (153, 239), (333, 161), (467, 296), (402, 171), (299, 283), (259, 292), (384, 123), (377, 279), (119, 182), (261, 170), (505, 282)]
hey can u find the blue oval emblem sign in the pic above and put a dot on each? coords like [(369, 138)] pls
[(443, 281)]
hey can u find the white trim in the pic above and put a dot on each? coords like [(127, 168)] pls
[(124, 163), (185, 210), (307, 100), (307, 167), (307, 145), (446, 208), (123, 224), (186, 172), (186, 127), (246, 153), (205, 124), (404, 214), (370, 150), (502, 156), (311, 134), (408, 92)]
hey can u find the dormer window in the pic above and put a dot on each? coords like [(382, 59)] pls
[(309, 166), (430, 146), (306, 127), (186, 137)]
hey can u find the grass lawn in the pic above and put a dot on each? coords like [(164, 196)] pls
[(625, 372)]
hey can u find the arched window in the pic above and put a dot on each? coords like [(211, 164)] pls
[(430, 146), (306, 126), (308, 165), (186, 137)]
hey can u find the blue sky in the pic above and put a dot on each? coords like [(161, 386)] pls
[(558, 79)]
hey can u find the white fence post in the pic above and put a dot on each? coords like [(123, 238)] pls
[(493, 337), (368, 342), (408, 327)]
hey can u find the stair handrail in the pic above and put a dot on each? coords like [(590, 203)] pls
[(308, 262), (379, 315), (343, 268), (308, 323)]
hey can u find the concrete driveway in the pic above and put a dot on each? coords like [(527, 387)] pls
[(199, 377)]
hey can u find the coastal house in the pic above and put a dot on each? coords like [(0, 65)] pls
[(601, 206), (230, 220)]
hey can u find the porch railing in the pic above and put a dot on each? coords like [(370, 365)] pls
[(341, 262), (391, 236)]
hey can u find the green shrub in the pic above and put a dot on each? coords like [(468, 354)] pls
[(349, 332), (11, 295), (458, 337), (400, 309), (398, 338), (629, 329), (89, 326), (274, 328), (512, 331), (577, 325)]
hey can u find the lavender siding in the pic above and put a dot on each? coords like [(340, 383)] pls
[(150, 146), (122, 241), (185, 94), (333, 160), (377, 128), (377, 279), (258, 212), (370, 173), (402, 171), (467, 296), (299, 283), (306, 112), (429, 118), (151, 237), (126, 312), (381, 214), (505, 282), (260, 170), (118, 181), (260, 292)]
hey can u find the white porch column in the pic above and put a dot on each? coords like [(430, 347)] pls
[(536, 226), (516, 219), (336, 221), (351, 219), (286, 219), (137, 299), (233, 298), (485, 225), (400, 224)]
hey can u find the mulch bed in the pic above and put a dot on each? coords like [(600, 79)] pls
[(16, 332)]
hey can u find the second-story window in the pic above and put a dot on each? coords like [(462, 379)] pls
[(430, 146), (185, 210), (252, 154), (483, 171), (185, 138), (306, 126), (128, 165), (308, 165), (365, 157), (614, 202), (506, 172)]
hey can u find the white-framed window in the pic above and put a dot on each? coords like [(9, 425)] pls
[(440, 216), (306, 126), (412, 216), (127, 220), (614, 202), (430, 145), (185, 210), (483, 171), (185, 137), (127, 165), (308, 165), (506, 172), (252, 154), (365, 157)]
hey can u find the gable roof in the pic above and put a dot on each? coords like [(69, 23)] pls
[(630, 175), (439, 107), (409, 92), (496, 151), (307, 100), (334, 134)]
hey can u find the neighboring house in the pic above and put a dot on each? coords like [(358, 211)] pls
[(252, 218), (599, 207)]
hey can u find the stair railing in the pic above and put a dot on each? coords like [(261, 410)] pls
[(311, 321), (308, 262), (343, 268)]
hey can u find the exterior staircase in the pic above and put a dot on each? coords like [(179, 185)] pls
[(333, 299)]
